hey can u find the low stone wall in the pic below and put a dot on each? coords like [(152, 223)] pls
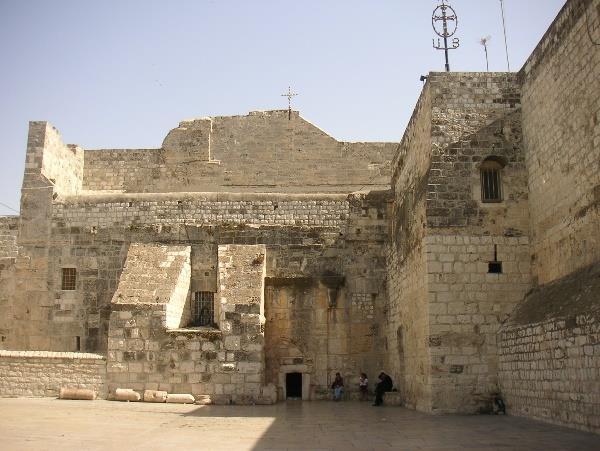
[(550, 371), (41, 373)]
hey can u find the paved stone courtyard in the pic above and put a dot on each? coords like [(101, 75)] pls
[(49, 424)]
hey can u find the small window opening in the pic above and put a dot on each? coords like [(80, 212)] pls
[(203, 309), (491, 182), (495, 267), (78, 343), (69, 279)]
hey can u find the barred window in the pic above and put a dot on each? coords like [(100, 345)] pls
[(69, 279), (491, 182), (203, 309)]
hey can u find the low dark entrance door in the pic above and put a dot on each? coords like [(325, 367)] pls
[(293, 385)]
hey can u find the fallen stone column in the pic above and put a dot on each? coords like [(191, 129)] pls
[(180, 399), (126, 394), (155, 396), (77, 393), (203, 399)]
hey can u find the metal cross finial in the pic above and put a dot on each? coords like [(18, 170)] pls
[(447, 17), (290, 95)]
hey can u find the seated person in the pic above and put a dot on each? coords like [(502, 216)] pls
[(363, 386), (338, 387), (384, 385)]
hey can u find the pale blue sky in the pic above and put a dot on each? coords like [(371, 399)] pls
[(122, 73)]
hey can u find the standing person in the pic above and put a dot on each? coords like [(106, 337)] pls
[(363, 386), (385, 384), (338, 387)]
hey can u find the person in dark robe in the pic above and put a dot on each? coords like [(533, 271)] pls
[(384, 385)]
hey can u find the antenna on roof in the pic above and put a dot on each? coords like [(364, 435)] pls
[(484, 43), (505, 39)]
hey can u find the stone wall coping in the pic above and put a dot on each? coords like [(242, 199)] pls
[(95, 197), (51, 355)]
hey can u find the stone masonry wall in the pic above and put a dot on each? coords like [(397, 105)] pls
[(549, 360), (444, 237), (260, 152), (8, 254), (561, 133), (475, 116), (407, 327), (224, 365), (203, 208), (52, 169), (551, 371), (467, 306), (325, 303), (38, 373), (8, 236), (550, 352)]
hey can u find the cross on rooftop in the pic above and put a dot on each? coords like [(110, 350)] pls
[(290, 95)]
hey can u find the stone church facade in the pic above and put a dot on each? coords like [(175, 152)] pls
[(251, 257)]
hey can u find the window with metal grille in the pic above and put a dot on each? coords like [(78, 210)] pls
[(69, 279), (203, 309), (491, 182)]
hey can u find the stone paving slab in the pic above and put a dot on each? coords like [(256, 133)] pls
[(49, 424)]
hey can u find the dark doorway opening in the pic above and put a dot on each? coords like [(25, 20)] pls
[(293, 385)]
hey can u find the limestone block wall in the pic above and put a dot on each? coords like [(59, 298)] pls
[(226, 365), (551, 371), (39, 373), (52, 169), (203, 209), (549, 361), (47, 156), (157, 274), (476, 116), (8, 254), (8, 236), (550, 355), (445, 308), (407, 326), (92, 234), (561, 133), (467, 306), (260, 152), (325, 302)]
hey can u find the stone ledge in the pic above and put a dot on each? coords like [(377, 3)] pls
[(51, 355)]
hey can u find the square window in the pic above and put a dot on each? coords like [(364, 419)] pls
[(69, 279)]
